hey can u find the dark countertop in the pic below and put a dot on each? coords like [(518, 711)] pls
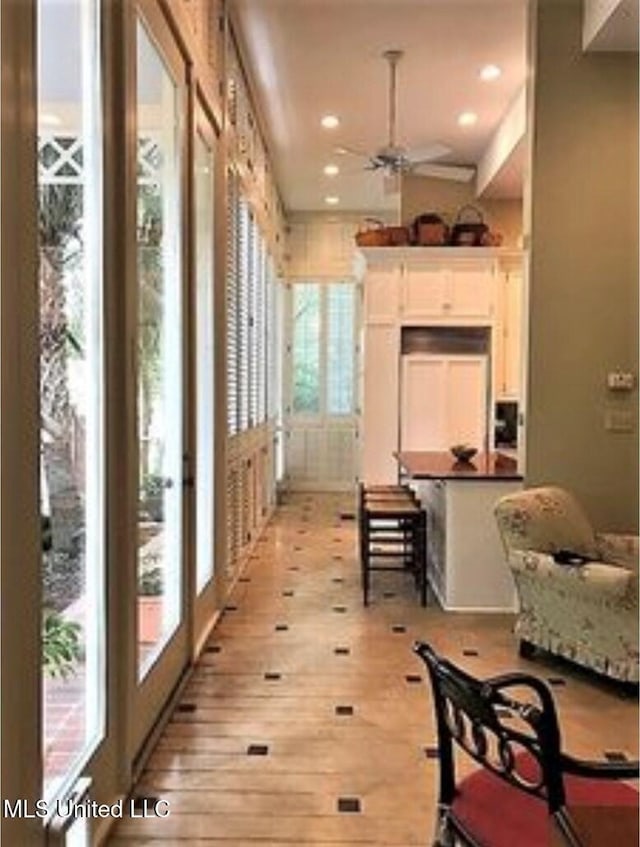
[(483, 466)]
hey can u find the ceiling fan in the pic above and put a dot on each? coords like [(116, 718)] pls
[(393, 159)]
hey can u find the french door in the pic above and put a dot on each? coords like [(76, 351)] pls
[(203, 358), (320, 377), (161, 101)]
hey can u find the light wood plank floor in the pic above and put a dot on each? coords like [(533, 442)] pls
[(305, 703)]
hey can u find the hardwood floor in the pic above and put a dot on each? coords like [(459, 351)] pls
[(308, 720)]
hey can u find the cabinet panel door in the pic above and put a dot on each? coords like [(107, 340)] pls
[(424, 291), (466, 400), (380, 404), (444, 401), (471, 290), (512, 333), (381, 294), (423, 415)]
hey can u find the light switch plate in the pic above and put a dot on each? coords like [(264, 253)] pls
[(616, 420), (620, 381)]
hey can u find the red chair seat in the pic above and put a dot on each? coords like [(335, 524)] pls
[(499, 815)]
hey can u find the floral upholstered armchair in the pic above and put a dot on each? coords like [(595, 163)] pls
[(587, 613)]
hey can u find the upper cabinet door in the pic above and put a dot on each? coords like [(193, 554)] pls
[(471, 291), (425, 291), (382, 294)]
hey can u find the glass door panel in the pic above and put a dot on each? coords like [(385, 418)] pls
[(71, 383), (321, 421), (204, 165), (160, 361)]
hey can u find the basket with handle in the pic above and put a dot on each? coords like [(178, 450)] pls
[(375, 235), (469, 229)]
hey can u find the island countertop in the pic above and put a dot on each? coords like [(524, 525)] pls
[(483, 466)]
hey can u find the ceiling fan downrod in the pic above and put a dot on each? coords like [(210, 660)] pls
[(393, 57)]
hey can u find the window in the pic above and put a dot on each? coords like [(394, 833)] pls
[(340, 348), (159, 361), (205, 361), (306, 348), (323, 348), (71, 383)]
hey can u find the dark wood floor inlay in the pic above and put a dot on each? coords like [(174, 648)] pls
[(432, 752), (272, 677), (470, 653), (342, 651), (186, 707), (282, 627), (257, 750), (412, 678), (343, 711), (213, 648), (349, 805), (556, 680), (398, 627), (340, 609)]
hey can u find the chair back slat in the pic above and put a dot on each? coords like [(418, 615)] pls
[(494, 728)]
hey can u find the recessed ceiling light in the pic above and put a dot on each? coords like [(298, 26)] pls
[(490, 72), (331, 170), (49, 119), (332, 200), (467, 118), (330, 122)]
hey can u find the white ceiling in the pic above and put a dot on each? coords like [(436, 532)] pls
[(311, 57)]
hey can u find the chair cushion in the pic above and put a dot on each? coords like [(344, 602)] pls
[(499, 815)]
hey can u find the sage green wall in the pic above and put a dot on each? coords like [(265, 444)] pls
[(427, 194), (583, 222)]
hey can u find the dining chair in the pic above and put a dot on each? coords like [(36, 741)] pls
[(523, 791)]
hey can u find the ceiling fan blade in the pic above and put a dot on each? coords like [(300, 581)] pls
[(457, 173), (427, 153), (350, 151)]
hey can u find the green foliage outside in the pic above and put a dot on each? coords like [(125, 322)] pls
[(61, 645)]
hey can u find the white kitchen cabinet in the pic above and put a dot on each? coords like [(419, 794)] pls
[(508, 342), (425, 291), (382, 294), (443, 401), (434, 287), (448, 291), (379, 430)]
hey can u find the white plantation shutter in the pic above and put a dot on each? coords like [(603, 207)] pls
[(244, 249), (232, 293)]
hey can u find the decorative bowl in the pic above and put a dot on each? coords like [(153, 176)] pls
[(463, 452)]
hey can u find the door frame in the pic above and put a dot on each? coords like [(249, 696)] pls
[(322, 421), (208, 600), (149, 694)]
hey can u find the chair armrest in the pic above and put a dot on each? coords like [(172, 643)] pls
[(599, 769), (598, 579), (620, 550)]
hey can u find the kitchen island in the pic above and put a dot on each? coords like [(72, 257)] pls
[(466, 564)]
